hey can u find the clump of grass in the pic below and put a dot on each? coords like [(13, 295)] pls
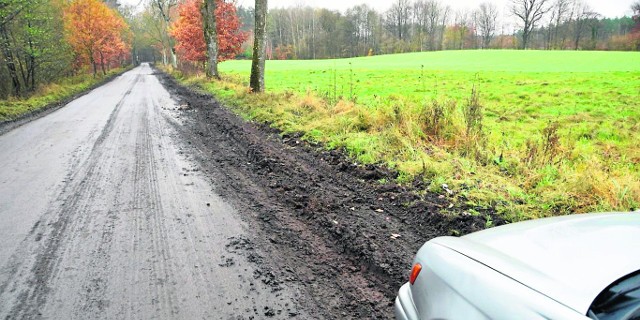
[(473, 117), (547, 150), (438, 120)]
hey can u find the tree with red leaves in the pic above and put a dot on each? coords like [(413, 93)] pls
[(98, 35), (189, 34)]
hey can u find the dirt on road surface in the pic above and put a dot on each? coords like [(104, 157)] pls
[(102, 216), (134, 202), (325, 222)]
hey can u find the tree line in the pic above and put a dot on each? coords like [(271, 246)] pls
[(98, 35), (45, 40), (303, 32)]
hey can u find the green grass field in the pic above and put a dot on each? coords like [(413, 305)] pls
[(559, 128)]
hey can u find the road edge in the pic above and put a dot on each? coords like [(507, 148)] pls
[(9, 125), (303, 197)]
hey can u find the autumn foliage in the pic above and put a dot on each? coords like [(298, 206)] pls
[(189, 35), (98, 35)]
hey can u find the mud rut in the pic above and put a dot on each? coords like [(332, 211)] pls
[(320, 220)]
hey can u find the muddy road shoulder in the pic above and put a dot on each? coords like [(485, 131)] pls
[(323, 221)]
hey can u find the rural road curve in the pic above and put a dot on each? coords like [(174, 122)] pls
[(103, 216)]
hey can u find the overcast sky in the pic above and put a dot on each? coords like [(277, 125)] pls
[(608, 8)]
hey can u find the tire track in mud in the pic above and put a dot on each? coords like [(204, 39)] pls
[(30, 279), (203, 243), (325, 222), (343, 288), (154, 214), (94, 283), (157, 216), (301, 252), (137, 232)]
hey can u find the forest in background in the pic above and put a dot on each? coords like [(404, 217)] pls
[(101, 35), (303, 32)]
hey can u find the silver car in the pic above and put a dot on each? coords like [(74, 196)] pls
[(572, 267)]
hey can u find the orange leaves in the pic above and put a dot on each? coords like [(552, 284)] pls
[(230, 38), (188, 32), (97, 34)]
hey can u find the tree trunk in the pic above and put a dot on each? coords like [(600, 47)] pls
[(31, 63), (104, 72), (32, 67), (525, 40), (259, 47), (10, 61), (208, 9), (174, 58)]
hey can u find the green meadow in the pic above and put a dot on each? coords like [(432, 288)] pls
[(530, 133)]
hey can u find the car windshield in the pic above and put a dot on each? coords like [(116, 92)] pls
[(620, 301)]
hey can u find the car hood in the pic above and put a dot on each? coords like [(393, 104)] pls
[(570, 259)]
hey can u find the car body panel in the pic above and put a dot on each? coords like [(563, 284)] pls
[(523, 270), (556, 255), (405, 309), (451, 285)]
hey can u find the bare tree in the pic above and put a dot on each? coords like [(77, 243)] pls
[(398, 18), (362, 25), (259, 47), (560, 14), (584, 15), (636, 16), (427, 16), (208, 9), (433, 12), (462, 28), (487, 22), (444, 17), (530, 12), (294, 28), (164, 8), (154, 30), (421, 23)]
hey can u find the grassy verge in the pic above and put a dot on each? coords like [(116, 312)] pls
[(50, 94), (530, 133)]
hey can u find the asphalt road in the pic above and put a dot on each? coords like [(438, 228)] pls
[(102, 215)]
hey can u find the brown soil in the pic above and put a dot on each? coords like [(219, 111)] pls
[(320, 220)]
